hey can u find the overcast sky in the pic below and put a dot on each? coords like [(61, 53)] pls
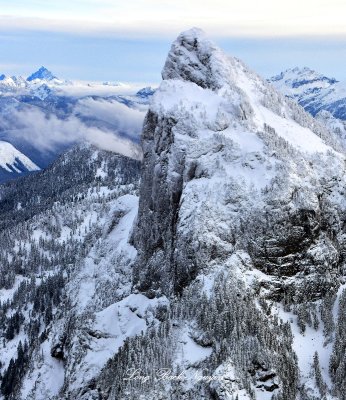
[(128, 40)]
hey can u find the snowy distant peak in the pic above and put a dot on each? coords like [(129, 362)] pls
[(296, 81), (302, 74), (42, 74), (313, 91), (12, 82), (145, 92), (13, 161), (195, 58), (2, 77)]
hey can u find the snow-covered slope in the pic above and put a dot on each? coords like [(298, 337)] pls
[(13, 163), (10, 158), (313, 91)]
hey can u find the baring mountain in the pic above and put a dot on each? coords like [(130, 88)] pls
[(221, 260)]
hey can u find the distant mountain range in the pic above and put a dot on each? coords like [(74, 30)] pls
[(321, 96), (43, 115), (42, 74), (314, 91)]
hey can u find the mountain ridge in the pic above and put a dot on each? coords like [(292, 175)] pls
[(42, 118), (13, 163), (219, 261), (313, 91)]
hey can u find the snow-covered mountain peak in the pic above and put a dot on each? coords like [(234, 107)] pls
[(213, 121), (2, 77), (218, 92), (237, 179), (299, 82), (302, 76), (312, 90), (195, 58), (42, 74)]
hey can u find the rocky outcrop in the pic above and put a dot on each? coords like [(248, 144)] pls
[(194, 172)]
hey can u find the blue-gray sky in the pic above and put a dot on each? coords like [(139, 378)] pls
[(129, 40)]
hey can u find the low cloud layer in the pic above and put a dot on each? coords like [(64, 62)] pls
[(127, 120), (48, 132)]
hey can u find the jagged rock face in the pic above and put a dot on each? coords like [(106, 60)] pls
[(239, 181), (192, 60), (160, 203), (294, 249), (226, 167)]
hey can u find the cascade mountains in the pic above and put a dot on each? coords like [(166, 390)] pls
[(219, 258)]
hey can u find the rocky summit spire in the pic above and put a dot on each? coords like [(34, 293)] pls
[(210, 114), (237, 184), (193, 57), (41, 74)]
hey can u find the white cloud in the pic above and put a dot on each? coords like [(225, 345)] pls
[(126, 119), (167, 17), (48, 132)]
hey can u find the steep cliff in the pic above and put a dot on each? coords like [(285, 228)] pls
[(241, 186)]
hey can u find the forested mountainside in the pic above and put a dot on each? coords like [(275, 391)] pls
[(219, 274), (57, 265)]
